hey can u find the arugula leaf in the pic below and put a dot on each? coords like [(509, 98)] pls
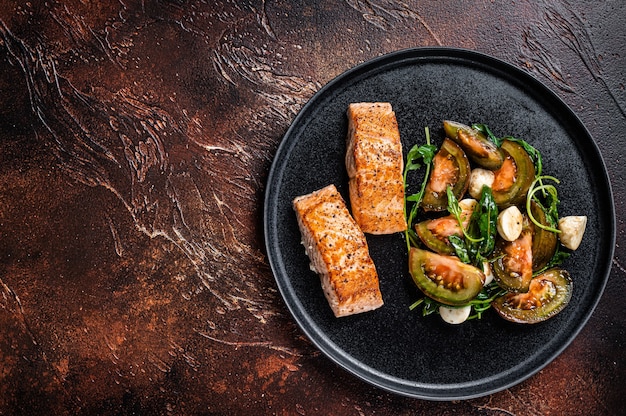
[(413, 238), (480, 304), (460, 248), (549, 205), (479, 238), (417, 157), (484, 129), (534, 154), (556, 260), (429, 306), (484, 224), (453, 204), (482, 301), (456, 211)]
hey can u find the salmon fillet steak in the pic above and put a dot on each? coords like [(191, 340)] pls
[(338, 252), (375, 163)]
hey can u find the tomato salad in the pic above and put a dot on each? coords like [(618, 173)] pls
[(490, 235)]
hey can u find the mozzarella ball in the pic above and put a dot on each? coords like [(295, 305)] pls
[(488, 272), (478, 178), (572, 230), (468, 204), (510, 222), (455, 315)]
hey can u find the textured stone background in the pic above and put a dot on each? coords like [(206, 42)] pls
[(135, 140)]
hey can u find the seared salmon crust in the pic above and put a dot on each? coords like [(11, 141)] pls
[(375, 163), (338, 252)]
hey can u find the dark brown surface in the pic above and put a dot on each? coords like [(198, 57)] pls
[(135, 140)]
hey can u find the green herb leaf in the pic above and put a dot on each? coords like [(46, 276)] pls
[(557, 259), (413, 238), (482, 302), (460, 248), (453, 204), (456, 211), (485, 130), (417, 157), (549, 204), (429, 306), (534, 154), (483, 226)]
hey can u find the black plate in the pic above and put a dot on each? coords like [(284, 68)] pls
[(392, 347)]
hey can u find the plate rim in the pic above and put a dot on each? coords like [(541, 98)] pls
[(341, 358)]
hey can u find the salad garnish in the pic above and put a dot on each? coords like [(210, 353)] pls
[(417, 157), (477, 242)]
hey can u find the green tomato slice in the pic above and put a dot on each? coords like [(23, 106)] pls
[(450, 168), (512, 268), (547, 295), (478, 148), (544, 241), (445, 279), (514, 177), (434, 233)]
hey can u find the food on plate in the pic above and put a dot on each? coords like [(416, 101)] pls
[(374, 162), (478, 148), (488, 270), (572, 230), (513, 179), (445, 279), (479, 178), (502, 247), (513, 267), (338, 252), (510, 223), (547, 295), (435, 233), (450, 168), (502, 251), (544, 239), (454, 315)]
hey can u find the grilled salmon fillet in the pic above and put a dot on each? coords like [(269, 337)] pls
[(338, 252), (374, 163)]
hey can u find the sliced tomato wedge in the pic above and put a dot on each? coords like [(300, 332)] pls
[(514, 177), (513, 269), (547, 295), (434, 233), (445, 279), (478, 148), (450, 168), (544, 241)]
